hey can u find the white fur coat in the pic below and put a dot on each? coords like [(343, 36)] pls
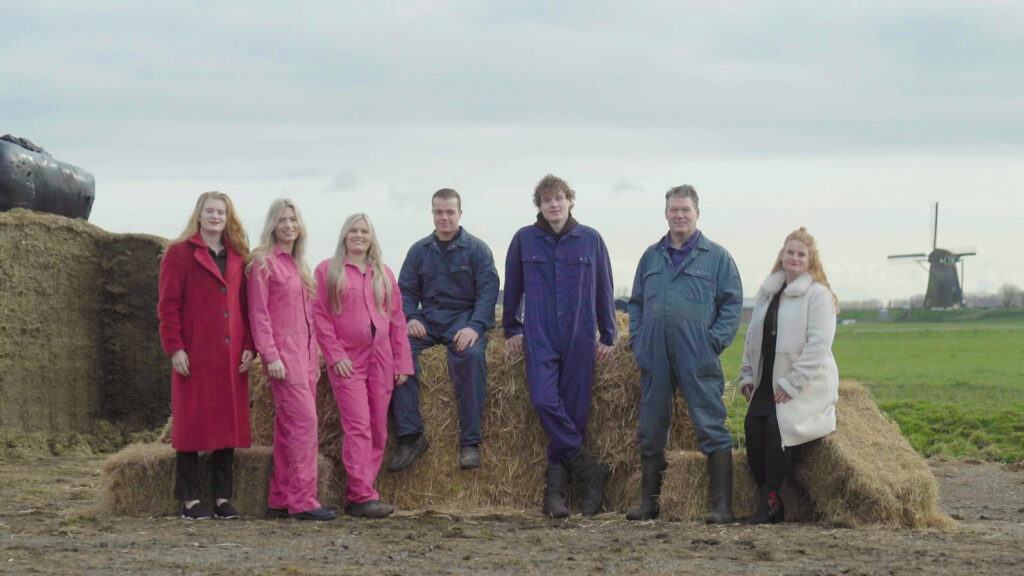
[(804, 365)]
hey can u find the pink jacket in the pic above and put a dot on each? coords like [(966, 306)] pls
[(351, 328), (281, 317)]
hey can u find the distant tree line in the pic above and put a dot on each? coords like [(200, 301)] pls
[(1008, 296)]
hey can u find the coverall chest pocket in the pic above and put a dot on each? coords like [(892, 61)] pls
[(461, 279), (535, 267), (697, 285), (654, 289)]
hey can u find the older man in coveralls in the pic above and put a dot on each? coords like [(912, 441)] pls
[(683, 312), (449, 289)]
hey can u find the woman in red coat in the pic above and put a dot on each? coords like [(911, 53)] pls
[(204, 327)]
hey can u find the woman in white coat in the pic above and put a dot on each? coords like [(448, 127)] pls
[(788, 374)]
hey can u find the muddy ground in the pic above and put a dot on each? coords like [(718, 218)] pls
[(49, 525)]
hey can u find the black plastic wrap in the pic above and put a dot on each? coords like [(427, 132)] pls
[(31, 178)]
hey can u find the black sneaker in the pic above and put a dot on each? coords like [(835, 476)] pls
[(225, 511), (196, 512), (275, 513), (321, 514)]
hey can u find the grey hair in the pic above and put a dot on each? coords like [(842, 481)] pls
[(684, 191)]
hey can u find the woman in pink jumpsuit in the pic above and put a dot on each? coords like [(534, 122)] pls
[(361, 331), (281, 295)]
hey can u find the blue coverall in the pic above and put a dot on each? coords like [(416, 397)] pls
[(680, 320), (568, 298), (448, 291)]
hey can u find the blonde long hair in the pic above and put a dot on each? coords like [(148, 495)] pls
[(814, 266), (234, 236), (336, 269), (268, 239)]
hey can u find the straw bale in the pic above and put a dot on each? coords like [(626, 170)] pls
[(866, 473), (78, 328), (686, 493), (139, 481), (863, 474), (513, 450)]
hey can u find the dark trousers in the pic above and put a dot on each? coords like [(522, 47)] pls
[(189, 474), (468, 372), (769, 463)]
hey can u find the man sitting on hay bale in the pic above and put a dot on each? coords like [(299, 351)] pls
[(563, 269), (449, 289), (683, 312)]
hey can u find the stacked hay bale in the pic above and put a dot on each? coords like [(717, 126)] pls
[(514, 447), (863, 474), (78, 327), (139, 480)]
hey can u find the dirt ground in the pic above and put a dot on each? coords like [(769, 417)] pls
[(48, 525)]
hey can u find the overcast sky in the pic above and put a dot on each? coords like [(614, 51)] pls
[(847, 120)]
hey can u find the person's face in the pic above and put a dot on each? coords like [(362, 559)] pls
[(358, 239), (555, 207), (214, 216), (446, 216), (796, 257), (287, 229), (682, 216)]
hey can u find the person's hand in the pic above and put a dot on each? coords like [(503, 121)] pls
[(747, 389), (179, 361), (400, 379), (514, 345), (276, 370), (465, 338), (416, 329), (781, 397), (247, 357), (603, 352), (343, 368)]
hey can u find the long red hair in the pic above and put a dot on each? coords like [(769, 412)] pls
[(814, 267)]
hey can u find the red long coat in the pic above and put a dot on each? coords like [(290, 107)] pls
[(206, 314)]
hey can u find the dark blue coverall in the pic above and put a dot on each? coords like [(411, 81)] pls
[(568, 298), (448, 291), (680, 320)]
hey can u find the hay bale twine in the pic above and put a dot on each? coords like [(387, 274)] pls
[(514, 446), (139, 481)]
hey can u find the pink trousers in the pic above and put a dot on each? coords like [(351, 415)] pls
[(363, 401), (293, 484)]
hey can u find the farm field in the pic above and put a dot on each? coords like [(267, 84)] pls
[(956, 389)]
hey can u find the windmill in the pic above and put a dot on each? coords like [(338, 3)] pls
[(944, 288)]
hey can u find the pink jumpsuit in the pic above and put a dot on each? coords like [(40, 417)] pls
[(378, 348), (281, 316)]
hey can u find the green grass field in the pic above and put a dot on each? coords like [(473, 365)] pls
[(955, 388)]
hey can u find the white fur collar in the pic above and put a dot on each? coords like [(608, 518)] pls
[(773, 284)]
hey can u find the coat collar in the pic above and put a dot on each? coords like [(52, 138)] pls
[(461, 238), (202, 255), (774, 283)]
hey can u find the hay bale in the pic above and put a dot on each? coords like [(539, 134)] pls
[(513, 451), (686, 493), (866, 473), (863, 474), (139, 481), (79, 302)]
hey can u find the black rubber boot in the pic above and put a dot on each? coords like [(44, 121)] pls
[(555, 492), (593, 475), (720, 473), (652, 469)]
